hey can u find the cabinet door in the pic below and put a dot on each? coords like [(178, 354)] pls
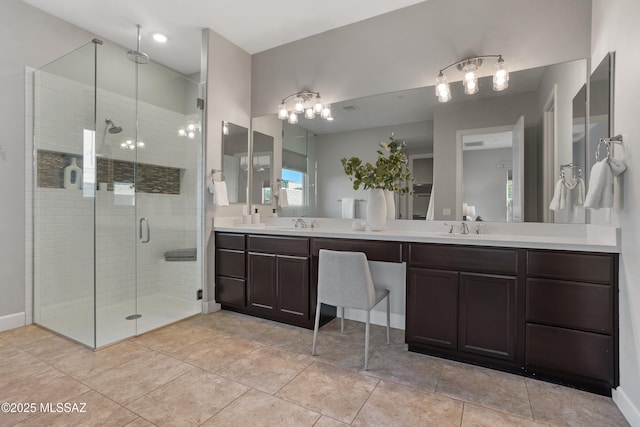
[(488, 315), (293, 287), (262, 282), (432, 307)]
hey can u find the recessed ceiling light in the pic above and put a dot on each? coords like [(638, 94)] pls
[(160, 38)]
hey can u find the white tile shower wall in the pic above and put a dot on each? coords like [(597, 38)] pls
[(64, 218)]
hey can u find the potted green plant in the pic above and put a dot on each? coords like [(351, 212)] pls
[(390, 173)]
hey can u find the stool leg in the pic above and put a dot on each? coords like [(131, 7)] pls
[(315, 329), (388, 317), (366, 342)]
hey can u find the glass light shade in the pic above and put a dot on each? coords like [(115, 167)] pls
[(470, 83), (140, 144), (191, 127), (283, 114), (443, 91), (293, 118), (326, 112), (191, 134), (181, 132), (500, 76), (123, 145), (299, 107), (318, 107), (309, 113)]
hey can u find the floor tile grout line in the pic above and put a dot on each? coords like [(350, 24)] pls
[(526, 385), (464, 407), (365, 401), (228, 404)]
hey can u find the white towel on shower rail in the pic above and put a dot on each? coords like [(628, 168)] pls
[(283, 198)]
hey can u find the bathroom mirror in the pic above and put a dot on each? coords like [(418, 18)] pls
[(262, 168), (235, 143), (600, 105), (298, 172), (431, 129)]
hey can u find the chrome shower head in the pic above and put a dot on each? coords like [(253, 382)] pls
[(112, 127), (137, 55)]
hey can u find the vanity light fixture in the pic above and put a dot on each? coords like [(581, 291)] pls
[(305, 102), (128, 144), (469, 67)]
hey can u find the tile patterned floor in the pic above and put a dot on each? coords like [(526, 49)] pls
[(226, 369)]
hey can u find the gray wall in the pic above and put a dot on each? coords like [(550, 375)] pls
[(228, 75), (28, 37), (406, 48), (615, 28)]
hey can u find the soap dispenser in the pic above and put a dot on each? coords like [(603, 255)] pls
[(255, 217)]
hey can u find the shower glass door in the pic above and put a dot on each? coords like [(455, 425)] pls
[(147, 205)]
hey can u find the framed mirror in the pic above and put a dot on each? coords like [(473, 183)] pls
[(261, 168), (235, 151)]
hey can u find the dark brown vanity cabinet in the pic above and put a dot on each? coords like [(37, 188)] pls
[(462, 300), (571, 317), (230, 270), (278, 278)]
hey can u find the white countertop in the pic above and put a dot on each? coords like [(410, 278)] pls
[(573, 237)]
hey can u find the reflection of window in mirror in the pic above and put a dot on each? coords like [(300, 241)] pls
[(298, 170), (235, 145), (262, 168), (600, 105)]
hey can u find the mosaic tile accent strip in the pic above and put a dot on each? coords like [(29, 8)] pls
[(151, 178)]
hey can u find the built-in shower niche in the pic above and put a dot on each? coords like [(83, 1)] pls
[(149, 178)]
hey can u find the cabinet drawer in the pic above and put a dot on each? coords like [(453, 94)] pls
[(585, 306), (575, 352), (230, 291), (479, 260), (278, 245), (229, 241), (375, 250), (582, 267), (230, 263)]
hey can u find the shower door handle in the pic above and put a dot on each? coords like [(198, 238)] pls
[(143, 240)]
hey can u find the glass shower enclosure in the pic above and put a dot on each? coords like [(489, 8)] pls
[(117, 215)]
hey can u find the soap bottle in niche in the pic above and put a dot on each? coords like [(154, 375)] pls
[(72, 175), (255, 217)]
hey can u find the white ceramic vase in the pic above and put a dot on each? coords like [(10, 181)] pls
[(389, 197), (376, 210)]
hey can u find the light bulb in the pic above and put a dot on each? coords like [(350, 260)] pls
[(470, 83), (132, 147), (443, 91), (501, 76), (318, 107), (326, 112), (283, 114), (293, 118), (181, 132), (160, 38), (309, 113), (191, 127), (123, 145), (129, 142), (191, 134), (299, 107), (140, 144)]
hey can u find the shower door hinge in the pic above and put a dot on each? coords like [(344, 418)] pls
[(200, 104)]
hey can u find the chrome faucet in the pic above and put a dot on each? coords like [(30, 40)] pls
[(299, 223), (463, 228)]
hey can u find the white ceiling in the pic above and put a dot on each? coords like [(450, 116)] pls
[(254, 25)]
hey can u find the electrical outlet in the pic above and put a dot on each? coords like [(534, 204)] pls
[(446, 212), (199, 294)]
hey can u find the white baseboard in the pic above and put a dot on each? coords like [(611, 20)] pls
[(211, 306), (12, 321), (377, 317), (628, 408)]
